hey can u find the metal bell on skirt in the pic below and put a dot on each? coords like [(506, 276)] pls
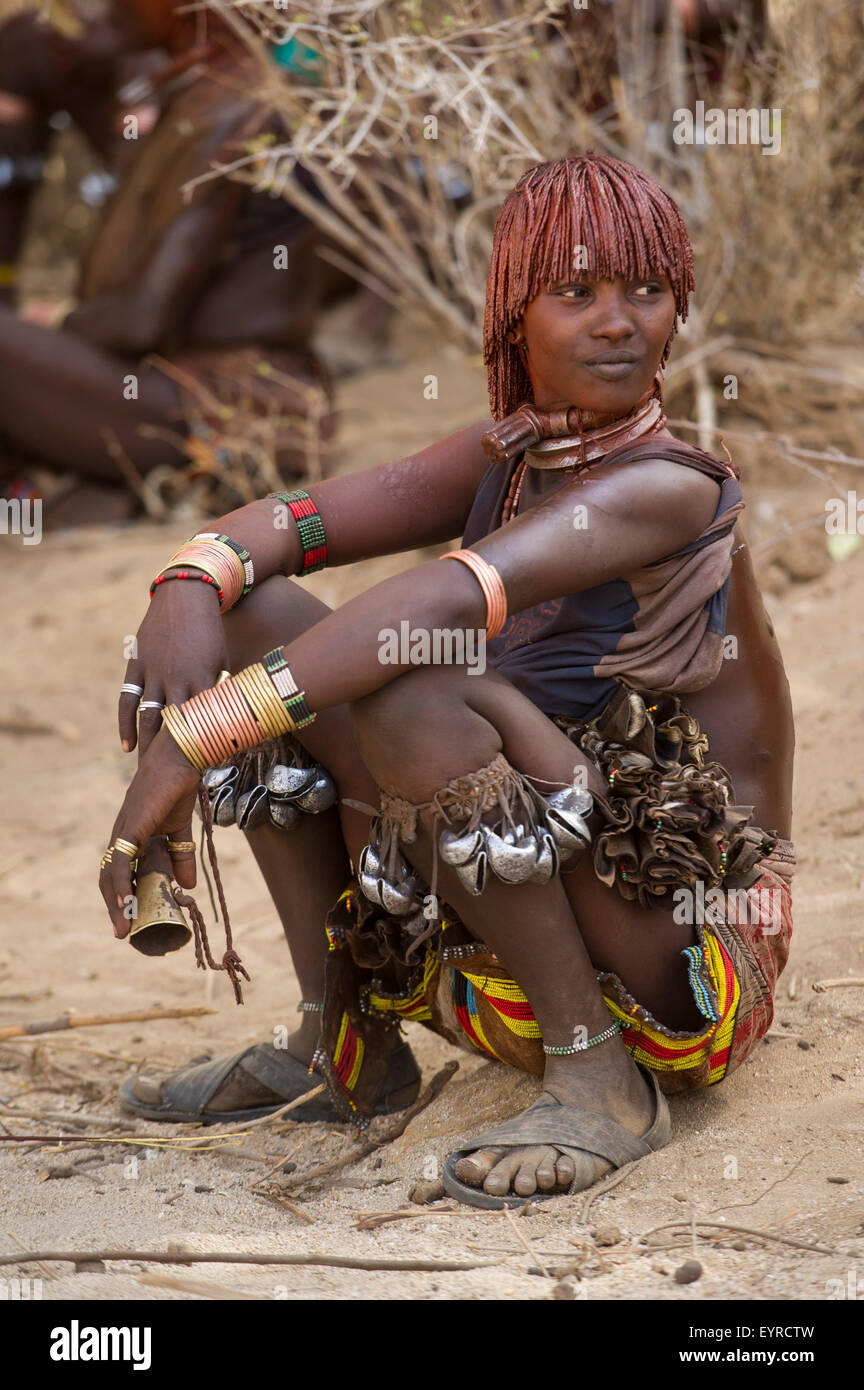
[(512, 856), (222, 804), (290, 782), (564, 817), (283, 814), (473, 874), (320, 796), (459, 846), (253, 808), (548, 859)]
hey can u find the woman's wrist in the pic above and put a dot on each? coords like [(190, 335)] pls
[(258, 704)]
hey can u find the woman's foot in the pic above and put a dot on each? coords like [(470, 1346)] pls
[(257, 1081), (610, 1087), (241, 1090)]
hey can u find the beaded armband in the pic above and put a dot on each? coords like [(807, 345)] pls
[(292, 698), (310, 526)]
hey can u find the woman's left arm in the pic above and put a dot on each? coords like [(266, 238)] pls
[(633, 515)]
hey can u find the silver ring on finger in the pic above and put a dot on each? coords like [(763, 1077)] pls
[(128, 689), (150, 704)]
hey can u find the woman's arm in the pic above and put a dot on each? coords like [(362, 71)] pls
[(417, 501), (636, 514), (420, 500)]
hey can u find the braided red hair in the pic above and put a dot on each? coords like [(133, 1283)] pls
[(626, 223)]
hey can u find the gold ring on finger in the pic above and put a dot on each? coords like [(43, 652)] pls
[(180, 846), (126, 847)]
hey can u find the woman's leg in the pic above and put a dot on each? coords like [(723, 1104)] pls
[(305, 869), (434, 725)]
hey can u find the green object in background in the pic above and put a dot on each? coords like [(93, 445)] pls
[(298, 58)]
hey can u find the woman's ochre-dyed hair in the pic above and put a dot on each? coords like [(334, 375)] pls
[(625, 221)]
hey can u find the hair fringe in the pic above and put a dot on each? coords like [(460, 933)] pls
[(627, 223)]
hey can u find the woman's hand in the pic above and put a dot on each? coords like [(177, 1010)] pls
[(180, 651), (160, 801)]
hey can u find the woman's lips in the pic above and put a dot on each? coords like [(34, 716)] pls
[(613, 368)]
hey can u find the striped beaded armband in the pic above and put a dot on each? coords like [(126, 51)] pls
[(239, 550), (292, 698), (309, 524)]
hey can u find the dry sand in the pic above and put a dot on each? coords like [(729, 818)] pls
[(778, 1147)]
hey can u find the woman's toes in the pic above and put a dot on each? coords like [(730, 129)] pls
[(498, 1182), (566, 1171), (547, 1176), (475, 1167), (533, 1162), (148, 1089)]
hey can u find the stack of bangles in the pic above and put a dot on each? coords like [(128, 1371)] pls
[(260, 703), (214, 559), (492, 585)]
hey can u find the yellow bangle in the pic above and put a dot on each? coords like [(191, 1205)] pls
[(264, 702), (176, 725)]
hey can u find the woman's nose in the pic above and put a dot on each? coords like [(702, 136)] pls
[(612, 318)]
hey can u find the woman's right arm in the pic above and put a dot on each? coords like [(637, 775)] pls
[(414, 502)]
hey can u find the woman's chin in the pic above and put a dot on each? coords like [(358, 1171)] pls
[(607, 398)]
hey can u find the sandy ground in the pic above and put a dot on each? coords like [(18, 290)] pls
[(778, 1147)]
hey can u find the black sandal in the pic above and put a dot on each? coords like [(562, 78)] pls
[(187, 1093), (567, 1128)]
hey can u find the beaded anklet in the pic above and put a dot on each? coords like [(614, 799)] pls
[(612, 1031), (310, 526)]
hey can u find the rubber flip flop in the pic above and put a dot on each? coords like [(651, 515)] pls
[(187, 1092), (567, 1128)]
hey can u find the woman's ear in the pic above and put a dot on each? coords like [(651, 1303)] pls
[(516, 335)]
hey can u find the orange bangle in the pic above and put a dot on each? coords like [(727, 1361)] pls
[(492, 585)]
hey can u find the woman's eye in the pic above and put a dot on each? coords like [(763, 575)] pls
[(573, 291), (646, 290)]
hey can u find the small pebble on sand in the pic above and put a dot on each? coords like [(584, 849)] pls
[(607, 1235), (688, 1273)]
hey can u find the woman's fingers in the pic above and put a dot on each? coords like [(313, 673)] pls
[(115, 881), (131, 692), (149, 718), (181, 848)]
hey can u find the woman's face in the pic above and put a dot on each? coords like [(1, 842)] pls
[(596, 344)]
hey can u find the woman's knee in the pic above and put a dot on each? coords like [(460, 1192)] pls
[(419, 731), (275, 612)]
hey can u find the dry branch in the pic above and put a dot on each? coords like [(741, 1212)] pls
[(326, 1170), (70, 1020), (233, 1257)]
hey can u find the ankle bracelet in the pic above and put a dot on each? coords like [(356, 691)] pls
[(304, 1007), (612, 1031)]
